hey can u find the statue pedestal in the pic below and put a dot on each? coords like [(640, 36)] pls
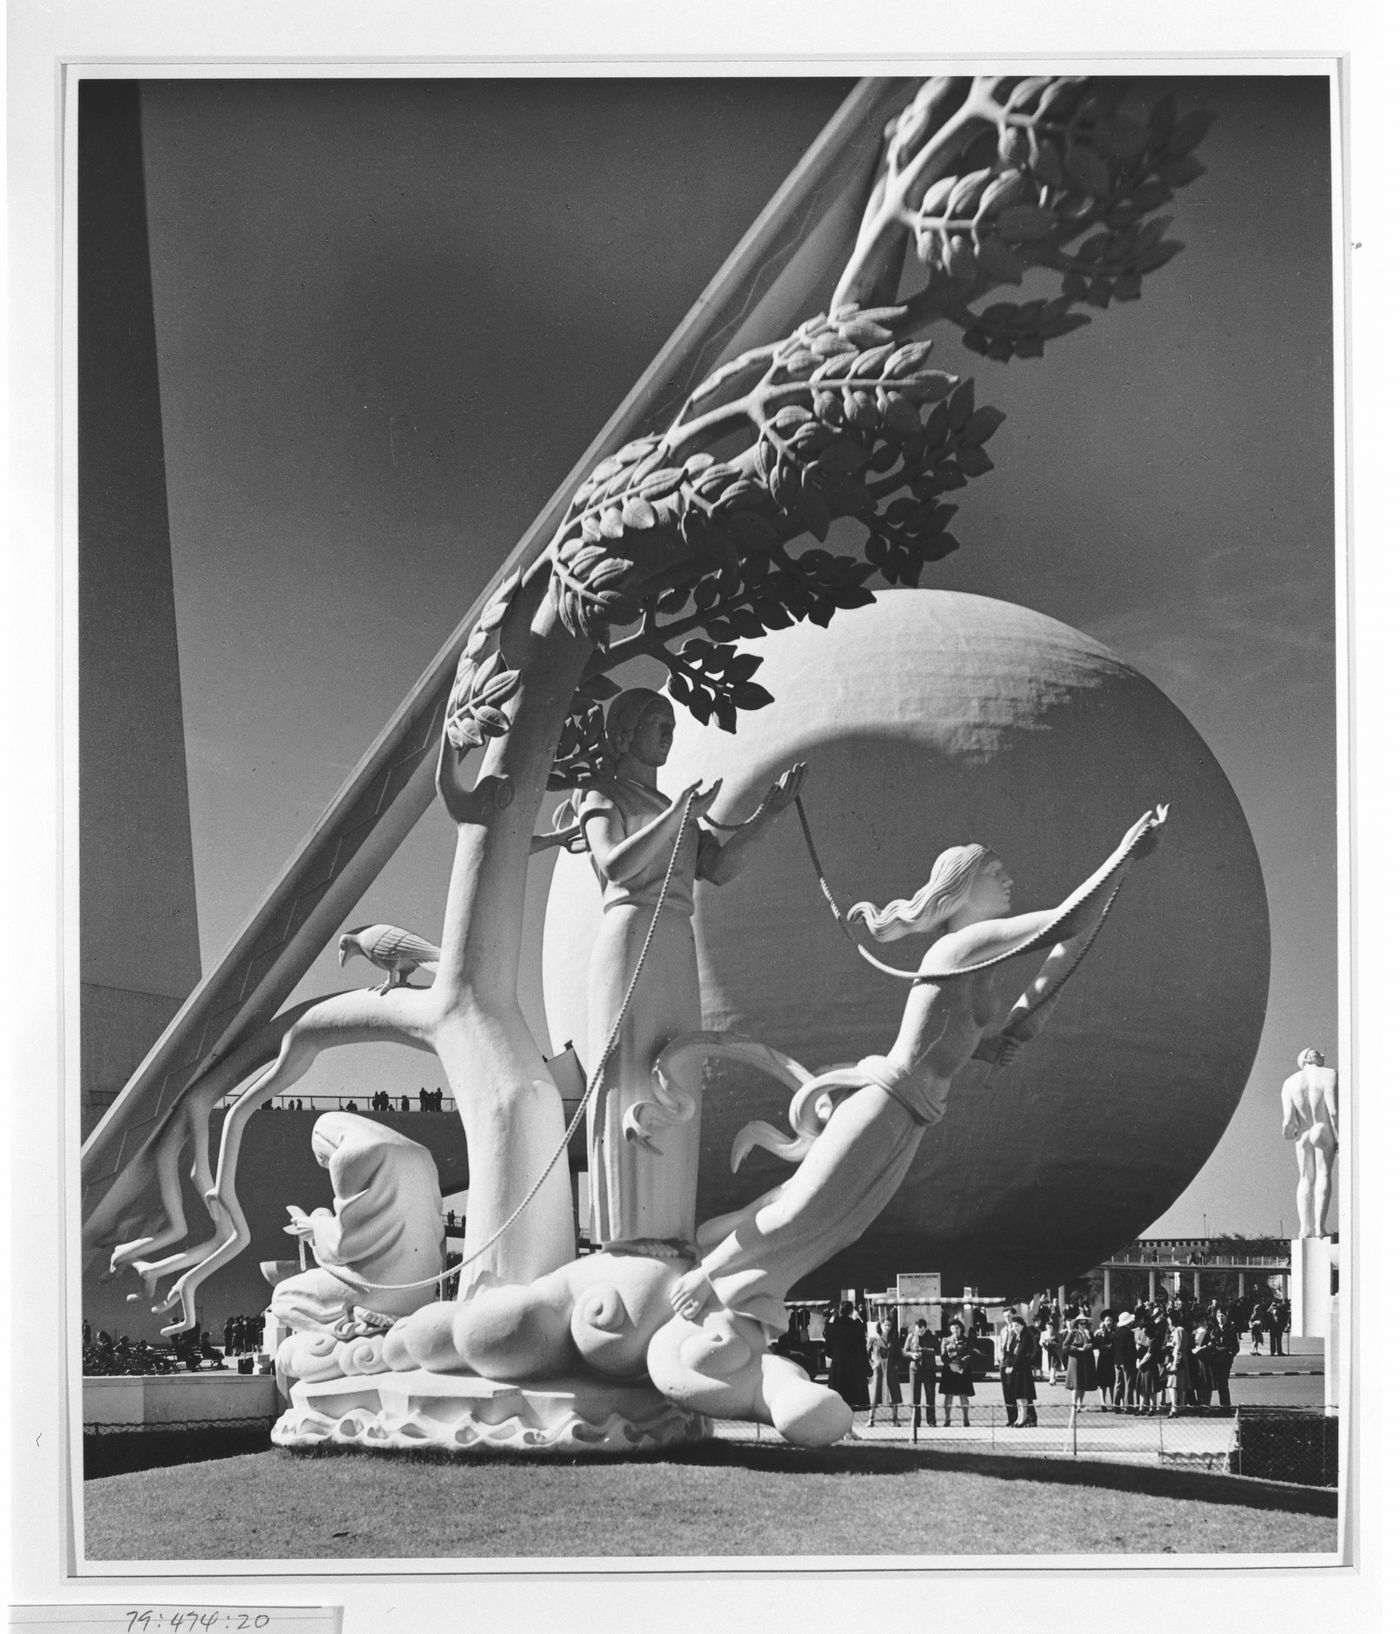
[(461, 1413), (1310, 1286), (1332, 1365)]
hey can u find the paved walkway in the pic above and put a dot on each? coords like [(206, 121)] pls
[(1122, 1437), (1201, 1438)]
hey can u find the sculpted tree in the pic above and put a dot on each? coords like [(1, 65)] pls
[(795, 476)]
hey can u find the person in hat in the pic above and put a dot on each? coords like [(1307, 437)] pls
[(1103, 1359), (1079, 1360), (1124, 1364)]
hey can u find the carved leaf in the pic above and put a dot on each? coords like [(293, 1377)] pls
[(498, 689), (638, 514), (463, 733), (660, 483), (865, 333), (1026, 95), (491, 722), (906, 359)]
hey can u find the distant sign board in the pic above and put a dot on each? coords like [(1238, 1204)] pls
[(925, 1289)]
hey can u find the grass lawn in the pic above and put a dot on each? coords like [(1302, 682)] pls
[(719, 1499)]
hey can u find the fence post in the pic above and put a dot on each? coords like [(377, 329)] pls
[(1235, 1459)]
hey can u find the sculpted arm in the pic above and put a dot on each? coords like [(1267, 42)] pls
[(1293, 1123), (720, 862), (621, 856)]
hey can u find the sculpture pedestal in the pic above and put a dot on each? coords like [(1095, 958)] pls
[(461, 1413), (1332, 1363), (1310, 1286)]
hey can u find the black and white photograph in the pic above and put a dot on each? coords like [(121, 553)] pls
[(706, 768)]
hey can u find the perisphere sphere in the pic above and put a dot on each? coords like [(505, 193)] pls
[(930, 719)]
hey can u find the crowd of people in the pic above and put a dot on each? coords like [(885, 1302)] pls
[(191, 1351), (243, 1335), (429, 1100), (1166, 1355), (105, 1356)]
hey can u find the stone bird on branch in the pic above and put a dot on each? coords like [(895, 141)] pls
[(398, 951)]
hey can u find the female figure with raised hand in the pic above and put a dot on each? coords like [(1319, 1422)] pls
[(857, 1129), (643, 1152)]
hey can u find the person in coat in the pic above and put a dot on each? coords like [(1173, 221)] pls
[(883, 1355), (921, 1352), (1103, 1359), (1018, 1371), (1124, 1364), (844, 1342), (1080, 1360), (957, 1371), (1005, 1347)]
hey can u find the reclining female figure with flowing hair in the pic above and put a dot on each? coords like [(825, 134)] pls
[(857, 1129)]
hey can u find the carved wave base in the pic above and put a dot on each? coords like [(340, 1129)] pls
[(463, 1414)]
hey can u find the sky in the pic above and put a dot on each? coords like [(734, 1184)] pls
[(391, 314)]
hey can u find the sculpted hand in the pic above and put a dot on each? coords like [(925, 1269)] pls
[(782, 793), (692, 1294), (1147, 840), (302, 1224), (1001, 1049), (1005, 1049), (704, 798)]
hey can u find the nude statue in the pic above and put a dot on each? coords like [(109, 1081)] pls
[(1309, 1099)]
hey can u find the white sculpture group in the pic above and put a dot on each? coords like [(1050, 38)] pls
[(691, 1311)]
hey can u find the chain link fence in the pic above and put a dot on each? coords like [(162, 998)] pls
[(1201, 1438), (1296, 1444)]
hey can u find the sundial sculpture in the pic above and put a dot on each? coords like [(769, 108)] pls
[(683, 542)]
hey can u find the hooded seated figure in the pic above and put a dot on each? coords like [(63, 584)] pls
[(386, 1226)]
